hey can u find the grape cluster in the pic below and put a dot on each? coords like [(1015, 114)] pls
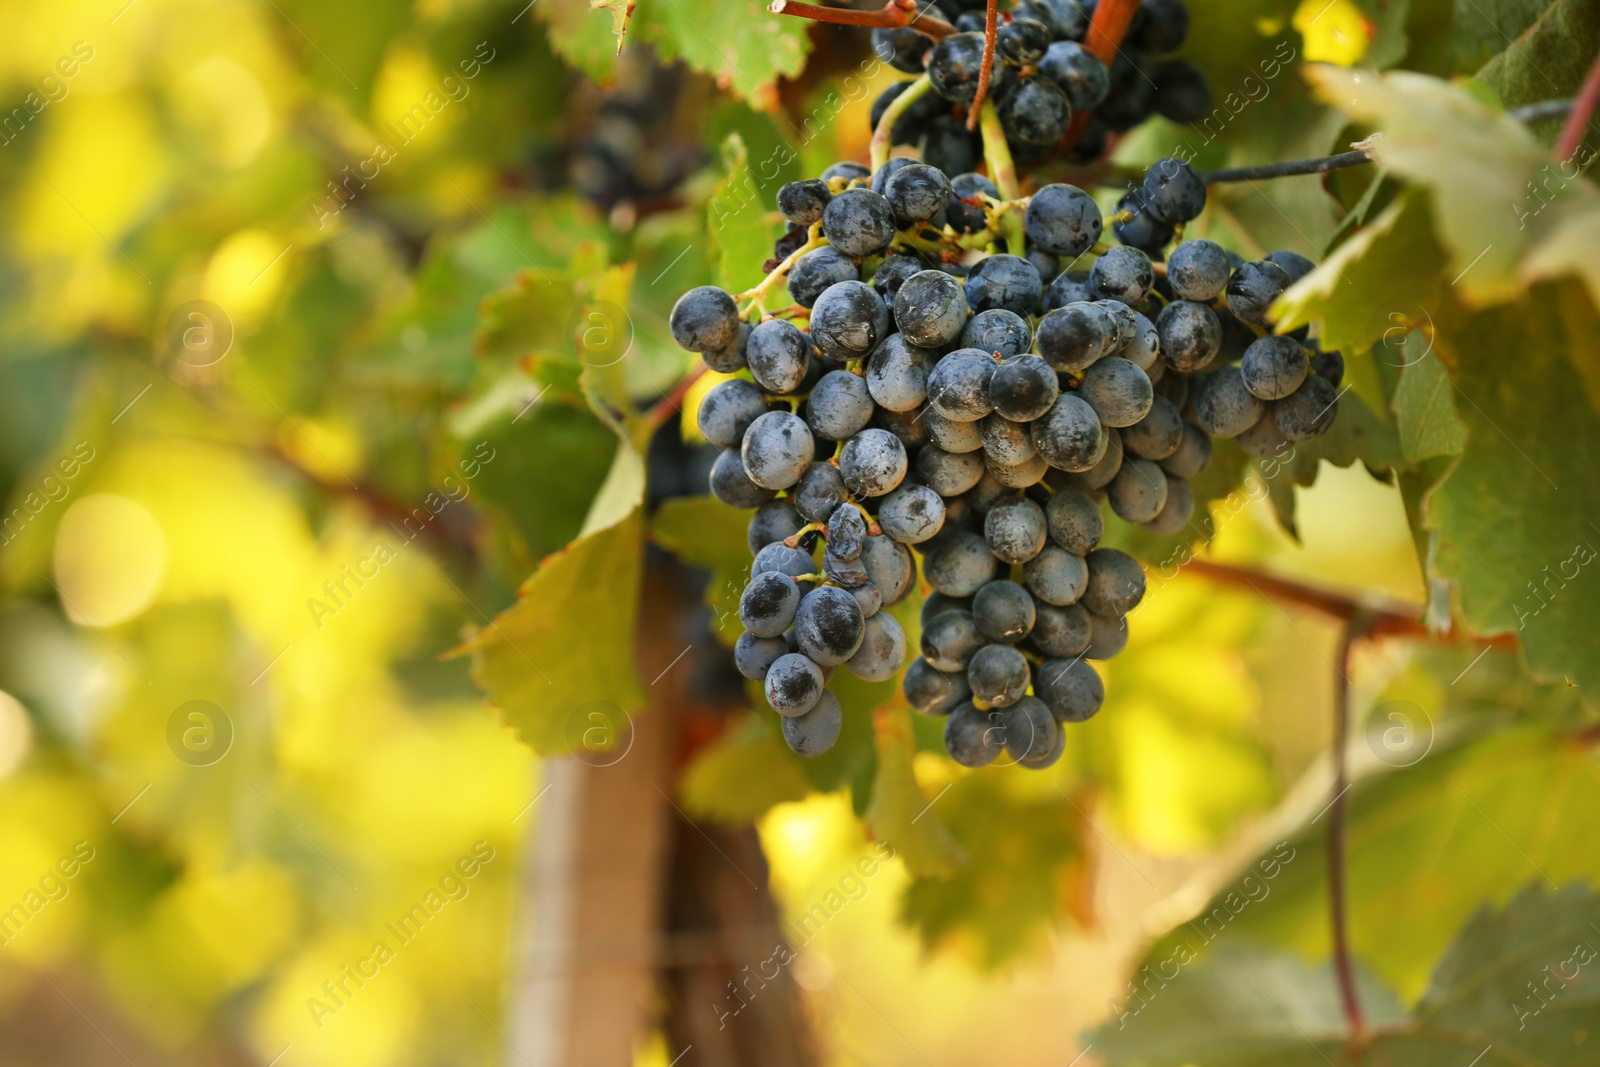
[(1042, 76), (977, 408)]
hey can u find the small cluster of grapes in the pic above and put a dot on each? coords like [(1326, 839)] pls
[(1041, 77), (979, 406)]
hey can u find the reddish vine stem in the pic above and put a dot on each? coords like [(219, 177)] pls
[(893, 15), (1336, 904), (991, 30), (1106, 30), (663, 409), (1381, 619), (1582, 109)]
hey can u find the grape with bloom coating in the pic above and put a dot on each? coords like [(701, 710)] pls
[(872, 462), (816, 731), (1015, 529), (776, 450), (728, 410), (839, 406), (911, 514), (704, 318)]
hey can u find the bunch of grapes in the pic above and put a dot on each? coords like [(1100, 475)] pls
[(1042, 76), (975, 407)]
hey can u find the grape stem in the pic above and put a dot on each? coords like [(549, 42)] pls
[(814, 241), (1582, 108), (991, 30), (892, 16), (883, 135), (1003, 172), (1320, 165), (1353, 630)]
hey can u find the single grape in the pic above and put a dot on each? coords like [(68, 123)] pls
[(965, 211), (839, 406), (732, 358), (911, 514), (1123, 274), (1017, 475), (936, 603), (731, 483), (889, 567), (868, 598), (917, 193), (954, 66), (1035, 112), (1015, 529), (998, 332), (753, 656), (1157, 435), (1105, 468), (952, 436), (1143, 231), (777, 449), (818, 492), (930, 309), (1132, 96), (950, 640), (779, 354), (1143, 349), (1023, 40), (802, 202), (1253, 287), (816, 731), (704, 318), (1059, 631), (882, 651), (1193, 454), (1067, 20), (948, 473), (1163, 28), (1223, 406), (1293, 263), (1047, 264), (728, 410), (958, 385), (768, 604), (815, 272), (1056, 576), (1273, 367), (958, 564), (998, 675), (986, 494), (794, 684), (1173, 191), (872, 462), (1004, 281), (1071, 689), (858, 222), (1139, 490), (1063, 220), (1116, 581), (848, 320), (1191, 335), (1070, 435), (1176, 512), (1074, 337), (1107, 636), (906, 425), (773, 521), (1182, 94), (846, 531), (1003, 611), (892, 274), (933, 692), (1073, 521), (1199, 270), (1068, 287), (1081, 75), (779, 557), (1022, 388), (1307, 412), (902, 47), (972, 737), (1031, 732), (1119, 392), (1006, 443), (829, 625), (1328, 366), (848, 169), (880, 178)]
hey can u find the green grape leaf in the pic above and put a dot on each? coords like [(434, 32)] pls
[(1515, 520), (1544, 59), (1482, 169), (899, 813), (1242, 1006), (1425, 411), (743, 774), (1484, 28), (568, 640), (735, 41), (741, 233)]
